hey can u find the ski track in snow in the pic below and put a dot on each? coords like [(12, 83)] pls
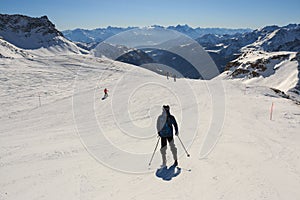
[(43, 157)]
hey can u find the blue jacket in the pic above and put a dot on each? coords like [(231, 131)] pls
[(165, 125)]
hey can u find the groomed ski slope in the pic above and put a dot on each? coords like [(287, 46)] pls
[(43, 151)]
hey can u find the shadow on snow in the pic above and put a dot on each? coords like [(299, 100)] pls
[(167, 174)]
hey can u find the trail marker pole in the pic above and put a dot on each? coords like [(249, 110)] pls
[(271, 111), (40, 104)]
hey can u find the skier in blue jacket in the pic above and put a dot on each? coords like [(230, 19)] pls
[(165, 123)]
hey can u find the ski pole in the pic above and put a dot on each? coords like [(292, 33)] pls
[(187, 154), (154, 151)]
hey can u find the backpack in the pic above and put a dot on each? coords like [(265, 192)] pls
[(167, 129)]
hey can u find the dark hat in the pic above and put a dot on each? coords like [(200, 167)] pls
[(166, 107)]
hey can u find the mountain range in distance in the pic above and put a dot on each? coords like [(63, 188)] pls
[(100, 34)]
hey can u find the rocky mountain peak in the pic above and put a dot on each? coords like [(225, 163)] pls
[(27, 32)]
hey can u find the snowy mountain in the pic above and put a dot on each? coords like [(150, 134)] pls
[(35, 33), (95, 35), (223, 45), (87, 46), (101, 34), (225, 48), (109, 50), (198, 32), (182, 68), (152, 47), (274, 38), (278, 70), (272, 60)]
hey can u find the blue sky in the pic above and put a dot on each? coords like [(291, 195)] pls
[(89, 14)]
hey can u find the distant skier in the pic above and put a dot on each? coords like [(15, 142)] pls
[(105, 93), (174, 77), (165, 123), (167, 74)]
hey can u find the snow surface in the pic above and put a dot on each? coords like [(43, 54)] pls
[(43, 151)]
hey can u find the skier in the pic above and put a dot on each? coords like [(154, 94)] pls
[(165, 123), (174, 77), (105, 93)]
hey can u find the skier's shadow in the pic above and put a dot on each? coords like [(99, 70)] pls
[(105, 96), (167, 174)]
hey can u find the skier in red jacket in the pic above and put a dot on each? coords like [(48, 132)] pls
[(105, 93)]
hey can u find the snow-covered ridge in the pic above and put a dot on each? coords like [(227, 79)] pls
[(278, 70), (286, 38), (271, 60), (35, 33), (8, 50), (257, 63), (93, 36), (269, 38)]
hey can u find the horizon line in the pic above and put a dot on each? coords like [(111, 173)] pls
[(167, 26)]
